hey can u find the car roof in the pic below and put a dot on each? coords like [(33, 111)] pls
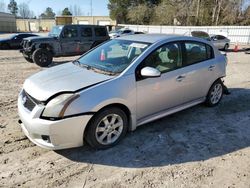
[(152, 38), (75, 25)]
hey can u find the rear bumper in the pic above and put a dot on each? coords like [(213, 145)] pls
[(61, 134)]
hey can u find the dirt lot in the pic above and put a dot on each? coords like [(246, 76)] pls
[(198, 147)]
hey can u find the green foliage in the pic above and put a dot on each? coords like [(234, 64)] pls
[(48, 14), (66, 12), (180, 12), (12, 7)]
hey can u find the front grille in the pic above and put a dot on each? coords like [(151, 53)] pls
[(28, 101)]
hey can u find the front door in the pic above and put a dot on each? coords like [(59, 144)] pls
[(70, 41), (157, 94)]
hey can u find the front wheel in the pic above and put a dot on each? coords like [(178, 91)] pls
[(42, 57), (215, 94), (107, 128), (28, 59), (226, 47)]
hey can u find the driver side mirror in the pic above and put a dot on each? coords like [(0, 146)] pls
[(150, 72)]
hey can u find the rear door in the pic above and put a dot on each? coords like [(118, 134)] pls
[(86, 38), (199, 67), (100, 34), (70, 40)]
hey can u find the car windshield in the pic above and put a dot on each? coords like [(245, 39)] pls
[(55, 32), (112, 57)]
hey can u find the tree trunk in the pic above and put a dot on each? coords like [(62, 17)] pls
[(214, 11), (218, 12), (197, 12)]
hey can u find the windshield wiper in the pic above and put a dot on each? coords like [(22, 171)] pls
[(95, 69), (78, 63)]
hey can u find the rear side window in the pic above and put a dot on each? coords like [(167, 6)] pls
[(86, 32), (100, 32), (197, 52), (127, 31)]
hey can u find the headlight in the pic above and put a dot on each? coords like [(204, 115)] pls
[(57, 106)]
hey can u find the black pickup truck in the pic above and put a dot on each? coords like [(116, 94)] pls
[(64, 40)]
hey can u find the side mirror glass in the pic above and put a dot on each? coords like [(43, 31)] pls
[(150, 72)]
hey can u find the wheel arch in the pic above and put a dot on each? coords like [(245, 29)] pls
[(118, 105), (218, 79), (46, 46)]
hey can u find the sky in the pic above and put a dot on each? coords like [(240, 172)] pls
[(39, 6)]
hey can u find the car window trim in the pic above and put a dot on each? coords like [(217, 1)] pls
[(140, 66), (197, 42)]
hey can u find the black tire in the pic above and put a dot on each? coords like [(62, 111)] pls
[(91, 135), (42, 57), (215, 94), (226, 47), (29, 60)]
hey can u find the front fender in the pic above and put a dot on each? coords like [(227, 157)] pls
[(121, 90)]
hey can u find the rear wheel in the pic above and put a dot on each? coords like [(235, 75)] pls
[(42, 57), (215, 94), (107, 128)]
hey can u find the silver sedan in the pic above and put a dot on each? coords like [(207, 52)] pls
[(220, 41), (118, 86)]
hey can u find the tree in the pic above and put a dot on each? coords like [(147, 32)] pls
[(183, 12), (2, 6), (118, 10), (12, 6), (136, 15), (66, 12), (25, 11), (48, 14)]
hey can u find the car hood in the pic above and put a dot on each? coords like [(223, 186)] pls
[(38, 38), (4, 40), (66, 77)]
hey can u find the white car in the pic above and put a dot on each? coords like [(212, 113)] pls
[(121, 32)]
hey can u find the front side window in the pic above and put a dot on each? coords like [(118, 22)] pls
[(56, 31), (113, 56), (70, 32), (166, 58), (197, 52)]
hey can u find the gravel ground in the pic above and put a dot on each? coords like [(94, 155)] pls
[(197, 147)]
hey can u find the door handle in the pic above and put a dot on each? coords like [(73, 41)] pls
[(211, 68), (180, 78)]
